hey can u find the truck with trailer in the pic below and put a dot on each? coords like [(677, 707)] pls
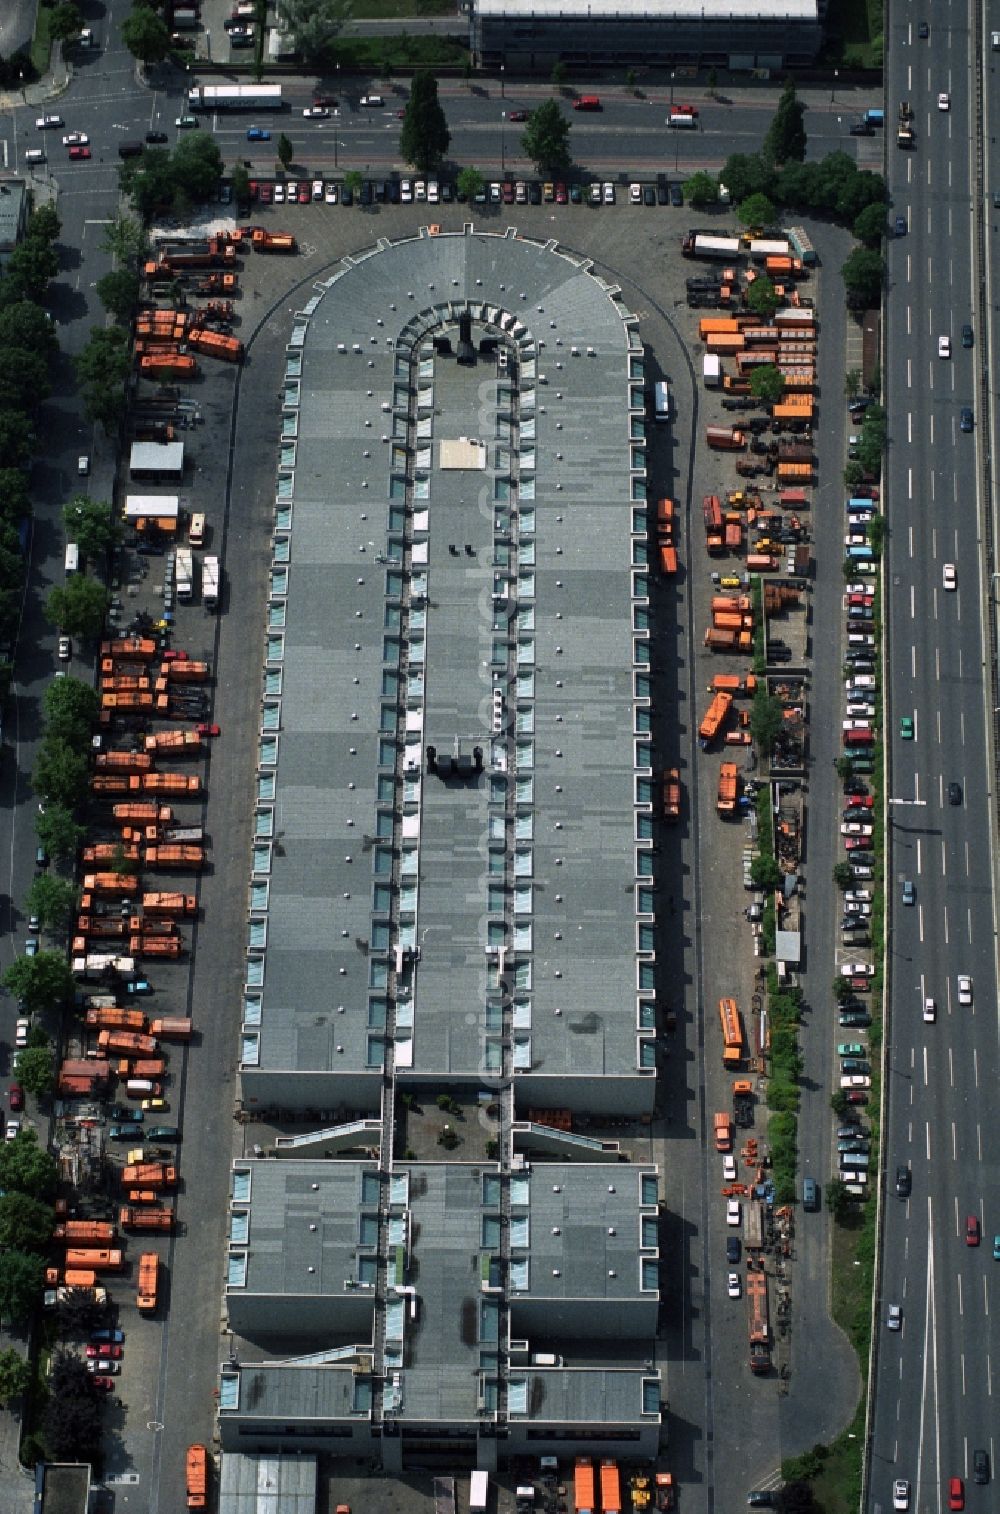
[(698, 244), (172, 1028), (107, 1017), (759, 1321)]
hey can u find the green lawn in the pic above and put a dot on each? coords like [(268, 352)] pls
[(856, 28), (391, 10)]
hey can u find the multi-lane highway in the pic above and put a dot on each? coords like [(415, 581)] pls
[(935, 1398)]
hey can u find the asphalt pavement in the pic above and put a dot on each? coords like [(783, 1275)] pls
[(934, 1399)]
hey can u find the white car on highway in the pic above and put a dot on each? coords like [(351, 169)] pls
[(944, 346), (944, 101), (964, 989), (930, 1011), (894, 1318), (901, 1494), (948, 576)]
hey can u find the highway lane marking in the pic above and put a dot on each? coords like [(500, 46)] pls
[(986, 1297), (930, 1330), (909, 428), (919, 871), (975, 1078), (909, 322), (954, 1137), (964, 1442), (951, 1080), (961, 725), (957, 1230), (961, 1306), (969, 912), (968, 860), (937, 663), (947, 938), (913, 601), (909, 374), (913, 661), (927, 1127), (909, 494), (944, 861), (937, 713)]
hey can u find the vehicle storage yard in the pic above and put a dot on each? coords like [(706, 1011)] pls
[(193, 818)]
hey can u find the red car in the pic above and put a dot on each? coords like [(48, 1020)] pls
[(305, 194), (265, 193), (254, 189), (562, 198), (104, 1384), (401, 114), (860, 802), (205, 729), (956, 1493), (175, 656), (76, 153), (16, 1096), (517, 115), (857, 1096), (971, 1239), (683, 110), (106, 1352), (507, 190)]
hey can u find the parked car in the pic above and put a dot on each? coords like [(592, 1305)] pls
[(163, 1133), (21, 1029), (129, 1132), (108, 1334)]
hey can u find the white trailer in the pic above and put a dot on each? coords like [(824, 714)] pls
[(210, 582)]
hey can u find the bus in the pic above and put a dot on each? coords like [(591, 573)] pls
[(732, 1033), (662, 400), (71, 562)]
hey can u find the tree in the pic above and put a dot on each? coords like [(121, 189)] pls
[(15, 501), (863, 275), (240, 181), (314, 25), (747, 174), (24, 378), (839, 1103), (285, 151), (22, 1278), (124, 240), (29, 269), (90, 524), (35, 1070), (15, 1375), (79, 1313), (767, 382), (869, 225), (852, 383), (766, 720), (25, 1223), (65, 23), (353, 181), (469, 182), (755, 210), (146, 36), (24, 324), (762, 298), (559, 73), (118, 291), (765, 872), (546, 137), (837, 1198), (853, 474), (17, 437), (71, 709), (60, 773), (196, 165), (102, 369), (44, 982), (786, 136), (57, 831), (72, 1427), (26, 1168), (795, 1498), (842, 990), (425, 137), (79, 607), (701, 189), (53, 900), (44, 224), (842, 876)]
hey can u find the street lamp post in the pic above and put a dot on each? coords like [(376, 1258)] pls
[(503, 154), (833, 91), (671, 86), (501, 81), (336, 132)]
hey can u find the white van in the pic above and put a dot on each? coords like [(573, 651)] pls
[(35, 155), (140, 1088), (682, 123)]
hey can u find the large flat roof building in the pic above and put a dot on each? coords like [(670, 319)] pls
[(453, 878)]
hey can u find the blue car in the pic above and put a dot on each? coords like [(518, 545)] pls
[(139, 986), (109, 1336), (258, 134), (129, 1132)]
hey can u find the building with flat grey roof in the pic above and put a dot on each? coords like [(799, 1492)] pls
[(14, 206), (532, 35), (453, 878)]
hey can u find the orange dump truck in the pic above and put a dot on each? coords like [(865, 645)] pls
[(196, 1477), (714, 719), (110, 783), (611, 1488), (107, 1018), (723, 1126), (583, 1486), (79, 1232), (143, 927), (728, 789), (126, 1040), (110, 883), (671, 794), (732, 1032), (171, 783), (758, 1321), (171, 366), (141, 647), (186, 672), (95, 1261), (665, 519), (143, 1068), (104, 927), (124, 762), (176, 743), (668, 559), (272, 241), (130, 1218), (144, 813), (170, 904), (711, 510), (152, 1175), (214, 344), (172, 1028), (192, 857), (110, 851), (169, 947), (148, 1283)]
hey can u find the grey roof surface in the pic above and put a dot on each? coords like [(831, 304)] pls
[(657, 10), (576, 999), (286, 1391), (584, 1395), (304, 1215), (584, 1227), (163, 457), (12, 193), (260, 1484)]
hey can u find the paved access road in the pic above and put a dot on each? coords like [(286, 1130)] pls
[(935, 1383)]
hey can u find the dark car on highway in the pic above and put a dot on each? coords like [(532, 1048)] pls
[(904, 1182)]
